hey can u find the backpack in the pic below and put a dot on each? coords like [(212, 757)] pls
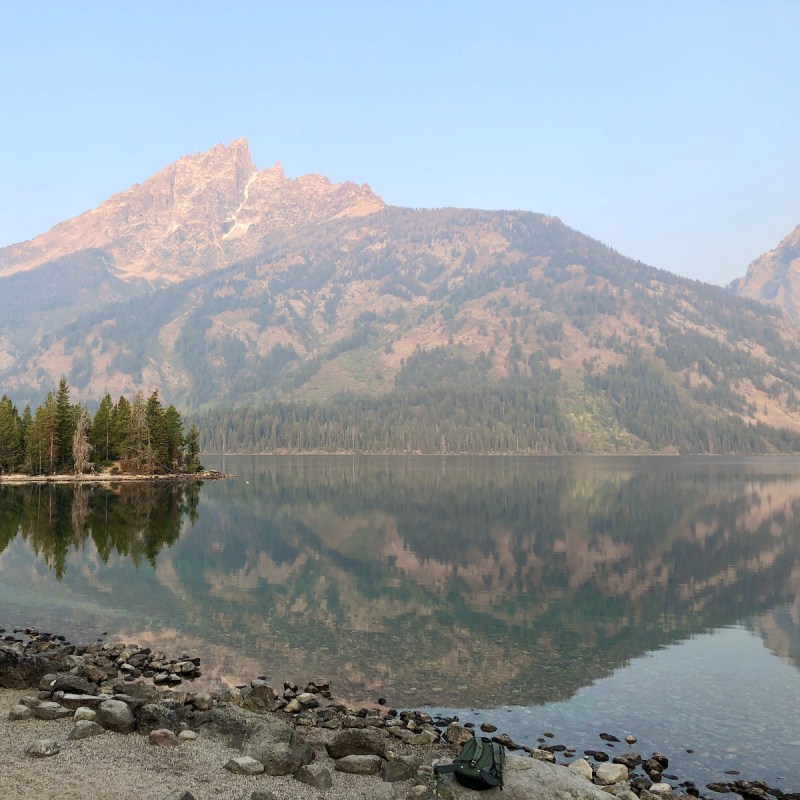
[(479, 765)]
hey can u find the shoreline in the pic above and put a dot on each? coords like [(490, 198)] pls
[(158, 692), (108, 478)]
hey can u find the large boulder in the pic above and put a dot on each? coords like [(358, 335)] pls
[(526, 779), (260, 697), (280, 747), (74, 684), (357, 742), (21, 671), (152, 717), (114, 715)]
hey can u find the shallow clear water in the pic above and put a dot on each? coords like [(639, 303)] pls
[(652, 596)]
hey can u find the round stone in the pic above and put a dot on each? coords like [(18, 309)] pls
[(43, 748), (19, 713)]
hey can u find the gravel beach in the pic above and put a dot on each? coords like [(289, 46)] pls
[(117, 767)]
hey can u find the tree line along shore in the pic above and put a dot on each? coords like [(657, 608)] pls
[(129, 437)]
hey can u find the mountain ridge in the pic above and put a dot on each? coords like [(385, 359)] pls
[(193, 216), (774, 277), (301, 292)]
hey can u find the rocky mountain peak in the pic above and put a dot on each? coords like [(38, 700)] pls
[(198, 214), (775, 277)]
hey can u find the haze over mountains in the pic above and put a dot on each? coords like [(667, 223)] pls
[(301, 302)]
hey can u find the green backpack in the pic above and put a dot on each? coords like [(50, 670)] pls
[(479, 764)]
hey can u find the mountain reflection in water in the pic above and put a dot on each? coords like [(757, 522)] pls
[(455, 582)]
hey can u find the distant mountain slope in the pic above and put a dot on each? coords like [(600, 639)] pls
[(775, 277), (373, 327)]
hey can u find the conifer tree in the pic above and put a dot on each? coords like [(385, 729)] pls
[(43, 443), (65, 427), (173, 427), (101, 435), (120, 427), (157, 429), (10, 436), (192, 459)]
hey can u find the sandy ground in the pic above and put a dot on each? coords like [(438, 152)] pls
[(118, 767)]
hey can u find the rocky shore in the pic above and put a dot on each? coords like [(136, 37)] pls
[(108, 477), (115, 721)]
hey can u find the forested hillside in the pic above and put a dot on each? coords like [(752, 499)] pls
[(347, 325)]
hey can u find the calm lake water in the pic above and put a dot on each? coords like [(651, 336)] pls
[(652, 596)]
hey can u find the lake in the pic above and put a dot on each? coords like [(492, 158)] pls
[(650, 596)]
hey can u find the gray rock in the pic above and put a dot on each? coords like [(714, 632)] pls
[(153, 717), (400, 770), (260, 697), (357, 741), (244, 765), (163, 738), (180, 795), (261, 794), (114, 715), (315, 775), (359, 765), (50, 710), (46, 681), (30, 702), (543, 755), (20, 671), (20, 712), (383, 791), (661, 789), (609, 773), (74, 684), (43, 748), (282, 758), (187, 736), (74, 701), (525, 778), (280, 747), (84, 729), (84, 713)]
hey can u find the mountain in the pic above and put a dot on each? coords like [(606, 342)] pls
[(199, 214), (775, 277), (300, 314)]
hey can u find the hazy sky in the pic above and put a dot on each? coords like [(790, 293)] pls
[(669, 130)]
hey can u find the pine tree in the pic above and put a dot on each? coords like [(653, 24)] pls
[(192, 460), (101, 435), (26, 426), (120, 428), (173, 428), (43, 442), (158, 433), (10, 436), (65, 427)]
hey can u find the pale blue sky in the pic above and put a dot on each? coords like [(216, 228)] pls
[(669, 130)]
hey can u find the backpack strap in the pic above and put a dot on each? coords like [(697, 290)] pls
[(478, 751), (490, 779)]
